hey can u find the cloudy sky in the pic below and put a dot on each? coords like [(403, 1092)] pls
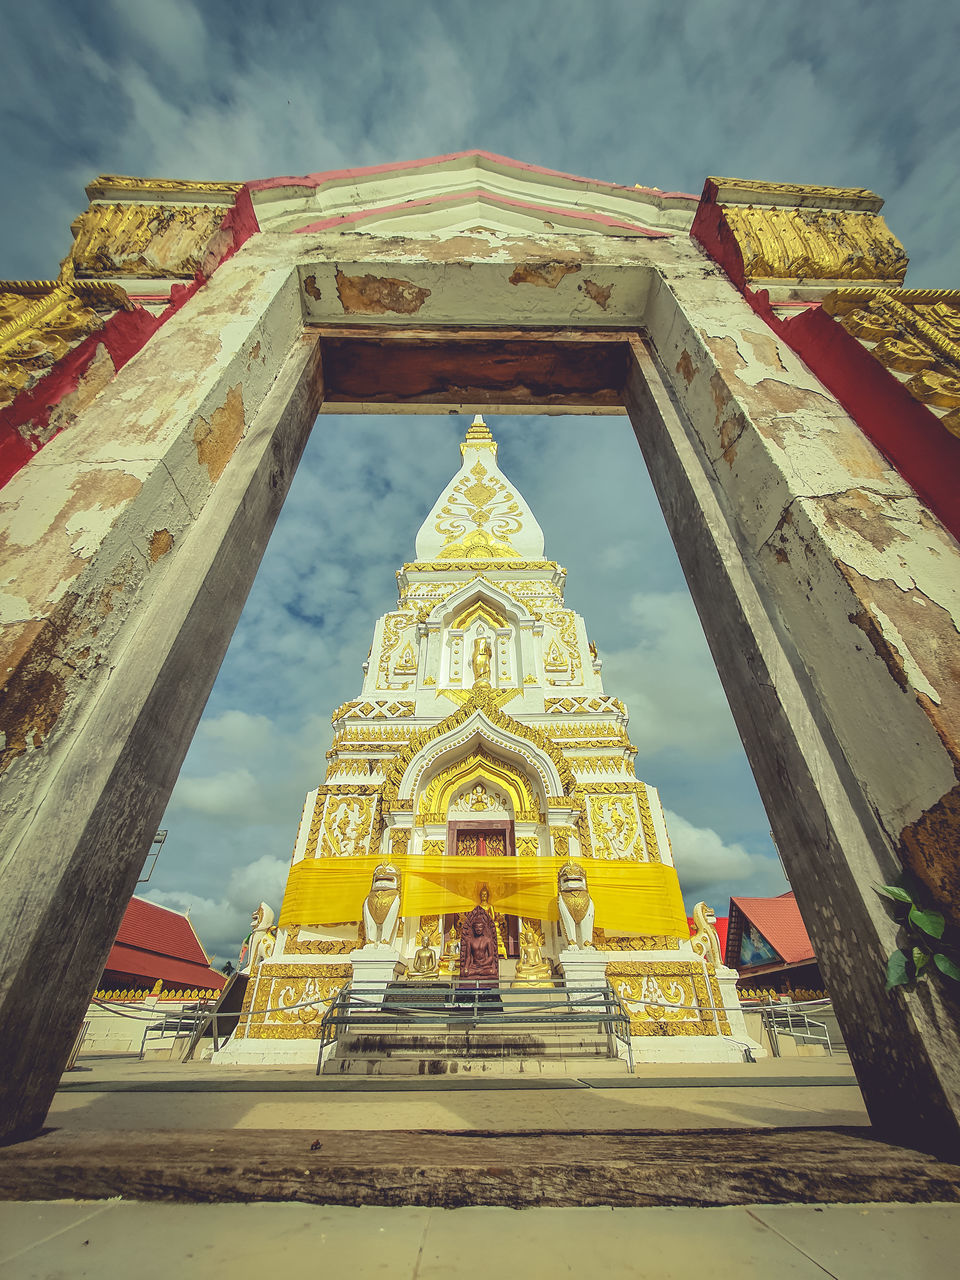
[(663, 94)]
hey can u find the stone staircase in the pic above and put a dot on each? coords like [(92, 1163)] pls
[(550, 1045), (544, 1051)]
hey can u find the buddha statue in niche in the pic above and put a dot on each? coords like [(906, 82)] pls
[(425, 958), (533, 970)]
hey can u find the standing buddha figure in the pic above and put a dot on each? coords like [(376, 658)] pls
[(495, 916)]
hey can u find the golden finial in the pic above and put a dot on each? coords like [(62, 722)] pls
[(478, 429), (478, 436)]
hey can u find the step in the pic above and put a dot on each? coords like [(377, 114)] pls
[(370, 1065)]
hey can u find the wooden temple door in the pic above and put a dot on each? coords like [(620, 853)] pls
[(485, 840)]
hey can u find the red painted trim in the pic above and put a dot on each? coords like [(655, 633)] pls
[(329, 176), (457, 197), (711, 230), (917, 444), (25, 422)]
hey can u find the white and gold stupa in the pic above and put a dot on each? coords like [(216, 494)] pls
[(482, 757)]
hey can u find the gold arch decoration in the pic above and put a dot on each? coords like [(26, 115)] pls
[(479, 766), (482, 609), (482, 699)]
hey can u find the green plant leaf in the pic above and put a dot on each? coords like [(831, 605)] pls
[(898, 970), (947, 966), (920, 960), (931, 922), (894, 891)]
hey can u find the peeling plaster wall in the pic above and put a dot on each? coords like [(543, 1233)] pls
[(866, 580), (129, 582)]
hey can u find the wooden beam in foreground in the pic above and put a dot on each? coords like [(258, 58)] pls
[(450, 1169)]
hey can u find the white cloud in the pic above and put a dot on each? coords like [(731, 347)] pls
[(222, 923), (710, 868), (668, 680)]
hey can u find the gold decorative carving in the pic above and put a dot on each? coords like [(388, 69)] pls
[(285, 985), (479, 512), (753, 191), (564, 621), (346, 824), (111, 184), (482, 698), (815, 244), (528, 846), (655, 991), (561, 841), (144, 240), (41, 320), (481, 609), (910, 331), (601, 764), (614, 824), (399, 841), (395, 626), (581, 704), (434, 847), (630, 942), (470, 566), (295, 945), (377, 709), (462, 696)]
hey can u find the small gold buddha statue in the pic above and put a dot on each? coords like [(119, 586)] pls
[(450, 959), (424, 959), (532, 969)]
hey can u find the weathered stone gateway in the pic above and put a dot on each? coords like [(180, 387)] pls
[(796, 408)]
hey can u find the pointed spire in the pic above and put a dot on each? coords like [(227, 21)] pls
[(480, 515), (478, 437)]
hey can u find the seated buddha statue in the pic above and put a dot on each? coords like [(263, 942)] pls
[(450, 959), (424, 960), (532, 969)]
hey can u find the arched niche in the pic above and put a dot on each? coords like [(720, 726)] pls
[(479, 609)]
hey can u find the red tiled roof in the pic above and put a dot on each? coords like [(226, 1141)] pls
[(778, 919), (155, 942), (144, 964)]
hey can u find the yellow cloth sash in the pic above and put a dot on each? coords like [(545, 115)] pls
[(630, 897)]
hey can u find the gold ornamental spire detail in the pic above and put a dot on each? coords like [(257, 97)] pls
[(478, 436)]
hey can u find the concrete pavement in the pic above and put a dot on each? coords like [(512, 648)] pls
[(110, 1240)]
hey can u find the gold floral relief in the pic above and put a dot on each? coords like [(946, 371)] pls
[(273, 1016), (634, 942), (478, 514), (295, 945), (395, 627), (669, 997), (614, 826), (399, 841), (346, 825)]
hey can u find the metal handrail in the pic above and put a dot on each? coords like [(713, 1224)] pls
[(472, 1005), (791, 1021)]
